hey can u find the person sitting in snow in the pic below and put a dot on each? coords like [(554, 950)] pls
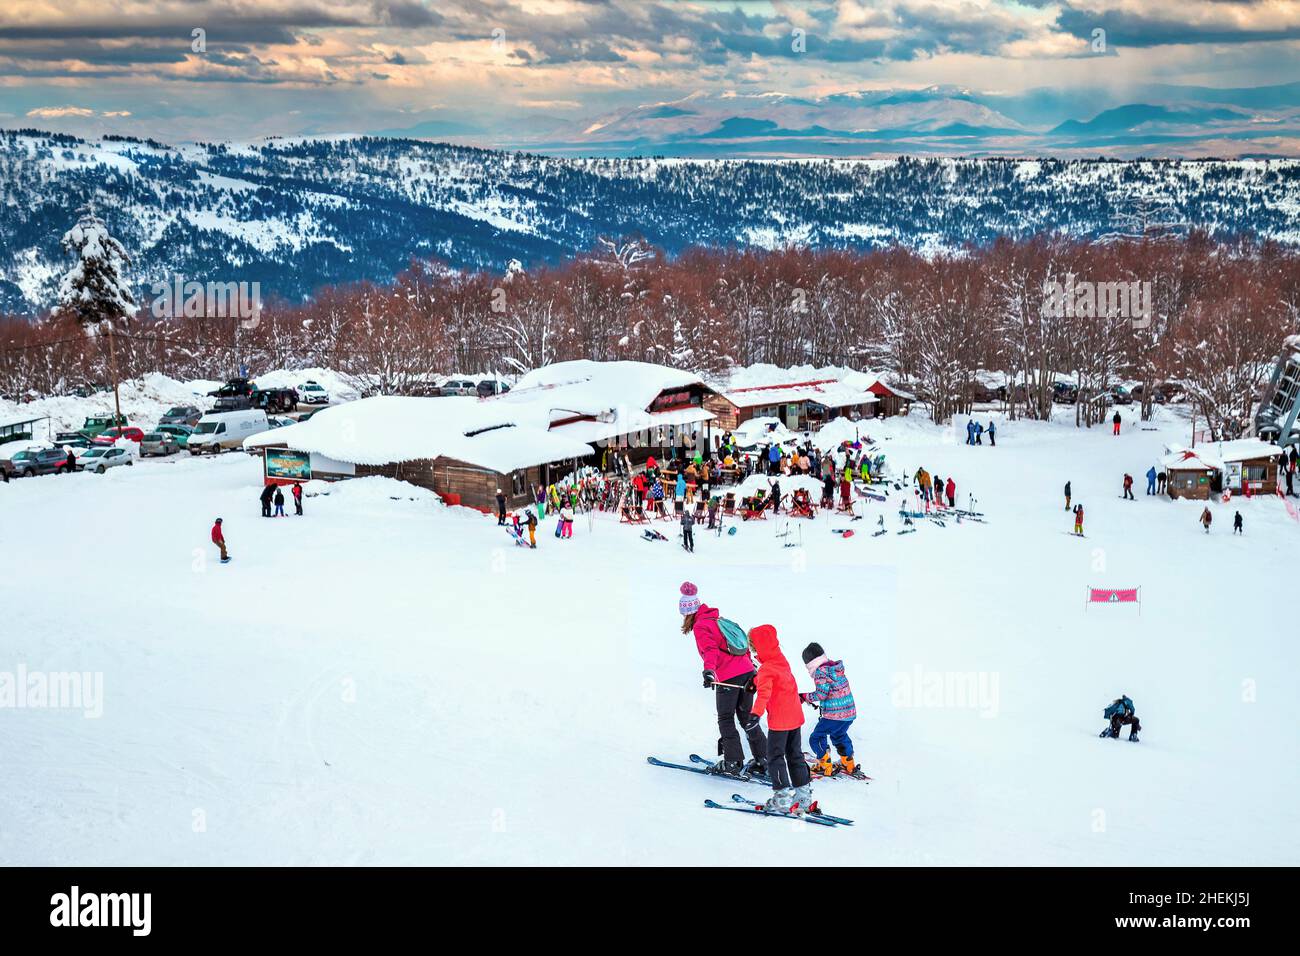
[(1119, 713), (777, 695), (833, 698)]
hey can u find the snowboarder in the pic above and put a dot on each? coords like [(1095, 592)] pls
[(993, 434), (219, 539), (1120, 713), (531, 519), (1236, 523), (777, 694), (1206, 519), (723, 666), (1067, 496), (279, 502), (1151, 480), (297, 498), (501, 508), (1078, 520), (1128, 487), (688, 536), (1115, 422), (833, 699), (951, 489), (267, 494)]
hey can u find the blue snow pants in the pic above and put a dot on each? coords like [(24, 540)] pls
[(837, 731)]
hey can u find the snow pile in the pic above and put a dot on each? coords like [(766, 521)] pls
[(762, 431), (372, 490), (839, 430), (340, 387), (756, 483)]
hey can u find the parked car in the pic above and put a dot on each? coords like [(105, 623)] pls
[(312, 393), (158, 443), (306, 415), (278, 421), (102, 458), (491, 386), (1065, 392), (1121, 395), (35, 461), (181, 433), (71, 439), (276, 399), (96, 424), (219, 430), (111, 435), (459, 386), (181, 415)]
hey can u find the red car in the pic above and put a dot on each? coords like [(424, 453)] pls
[(111, 435)]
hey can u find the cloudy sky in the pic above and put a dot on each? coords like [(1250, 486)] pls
[(514, 71)]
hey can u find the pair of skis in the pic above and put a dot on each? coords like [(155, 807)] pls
[(701, 766)]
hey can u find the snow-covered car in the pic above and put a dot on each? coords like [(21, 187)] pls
[(275, 421), (158, 443), (312, 393), (102, 458), (459, 386)]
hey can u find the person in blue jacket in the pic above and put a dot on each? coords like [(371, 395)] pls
[(681, 485), (1119, 713), (970, 431), (1151, 480), (774, 459), (993, 434)]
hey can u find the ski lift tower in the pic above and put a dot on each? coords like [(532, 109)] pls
[(1276, 419)]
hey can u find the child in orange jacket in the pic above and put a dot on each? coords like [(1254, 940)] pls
[(777, 694)]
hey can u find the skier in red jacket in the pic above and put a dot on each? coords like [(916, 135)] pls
[(219, 540), (777, 693)]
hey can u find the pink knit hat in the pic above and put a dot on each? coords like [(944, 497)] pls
[(690, 601)]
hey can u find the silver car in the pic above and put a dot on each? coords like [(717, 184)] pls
[(158, 443)]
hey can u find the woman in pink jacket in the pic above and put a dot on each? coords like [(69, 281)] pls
[(722, 667)]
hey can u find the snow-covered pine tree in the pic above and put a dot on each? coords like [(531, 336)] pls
[(95, 289)]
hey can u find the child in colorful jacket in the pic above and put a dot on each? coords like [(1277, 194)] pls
[(777, 694), (836, 711)]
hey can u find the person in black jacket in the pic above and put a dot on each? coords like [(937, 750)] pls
[(279, 502), (501, 508), (1067, 496), (267, 494)]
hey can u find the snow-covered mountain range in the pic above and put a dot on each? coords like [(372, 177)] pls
[(298, 214)]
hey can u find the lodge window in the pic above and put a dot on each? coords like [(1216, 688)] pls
[(1255, 472), (518, 483)]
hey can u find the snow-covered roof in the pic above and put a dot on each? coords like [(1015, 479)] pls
[(829, 392), (1178, 458), (1214, 455), (1244, 449), (391, 428), (589, 401), (867, 380)]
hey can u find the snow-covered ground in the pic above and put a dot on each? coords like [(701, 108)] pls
[(386, 680)]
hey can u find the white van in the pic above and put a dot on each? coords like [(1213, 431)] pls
[(218, 430)]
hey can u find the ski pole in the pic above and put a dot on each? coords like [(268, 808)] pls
[(718, 683)]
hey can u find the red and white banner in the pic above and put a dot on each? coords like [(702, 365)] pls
[(1113, 596)]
